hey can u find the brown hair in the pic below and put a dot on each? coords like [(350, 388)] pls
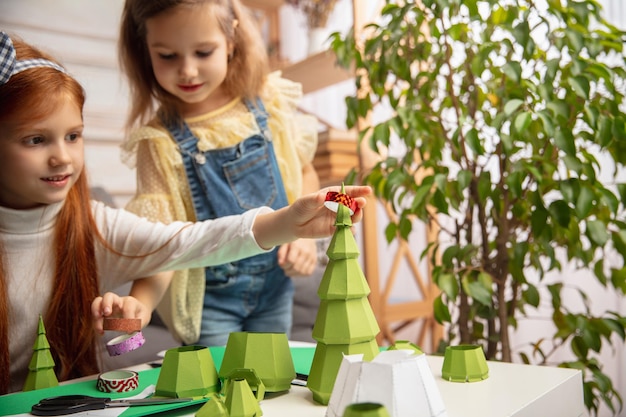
[(30, 96), (247, 68)]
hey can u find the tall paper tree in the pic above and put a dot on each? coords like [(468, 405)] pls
[(41, 367), (345, 322)]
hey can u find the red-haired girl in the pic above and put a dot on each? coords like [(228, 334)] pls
[(59, 251)]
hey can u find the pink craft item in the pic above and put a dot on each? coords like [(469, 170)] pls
[(125, 343)]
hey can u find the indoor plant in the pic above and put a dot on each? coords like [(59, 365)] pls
[(505, 111)]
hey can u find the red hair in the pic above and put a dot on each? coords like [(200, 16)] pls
[(29, 96)]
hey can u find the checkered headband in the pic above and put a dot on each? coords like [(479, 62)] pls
[(9, 65)]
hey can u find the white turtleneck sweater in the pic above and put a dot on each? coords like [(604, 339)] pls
[(27, 239)]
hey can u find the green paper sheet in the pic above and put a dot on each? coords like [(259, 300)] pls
[(21, 402)]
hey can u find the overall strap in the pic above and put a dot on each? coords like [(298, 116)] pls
[(188, 147), (260, 115)]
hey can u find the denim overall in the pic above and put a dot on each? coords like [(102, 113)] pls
[(252, 294)]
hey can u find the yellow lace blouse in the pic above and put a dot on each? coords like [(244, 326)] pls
[(163, 193)]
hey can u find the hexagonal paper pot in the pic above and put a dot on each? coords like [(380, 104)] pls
[(464, 363), (187, 371), (267, 353)]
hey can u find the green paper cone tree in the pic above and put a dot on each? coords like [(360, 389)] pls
[(345, 322), (41, 367)]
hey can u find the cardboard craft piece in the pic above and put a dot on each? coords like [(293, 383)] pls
[(326, 362), (240, 401), (398, 379), (405, 345), (187, 371), (464, 363), (267, 353), (343, 279), (215, 407), (41, 366), (342, 245), (345, 321), (254, 382)]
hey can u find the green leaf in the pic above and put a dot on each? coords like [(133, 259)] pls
[(596, 230), (604, 134), (463, 179), (512, 105), (547, 122), (618, 279), (559, 108), (382, 134), (565, 142), (531, 295), (442, 313), (479, 293), (513, 70), (538, 221), (522, 121), (560, 211), (584, 203), (580, 85), (448, 285), (472, 140)]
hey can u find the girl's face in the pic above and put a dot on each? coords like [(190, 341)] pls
[(40, 163), (189, 54)]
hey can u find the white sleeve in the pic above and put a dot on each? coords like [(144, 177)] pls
[(139, 248)]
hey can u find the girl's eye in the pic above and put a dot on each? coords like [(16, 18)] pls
[(73, 137), (34, 140), (167, 56), (204, 54)]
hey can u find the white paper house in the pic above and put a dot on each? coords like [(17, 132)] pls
[(398, 379)]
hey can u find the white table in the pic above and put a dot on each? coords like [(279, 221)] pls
[(511, 390)]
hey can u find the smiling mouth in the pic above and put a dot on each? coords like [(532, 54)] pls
[(192, 87), (58, 178)]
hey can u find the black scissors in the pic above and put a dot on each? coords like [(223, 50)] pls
[(69, 404)]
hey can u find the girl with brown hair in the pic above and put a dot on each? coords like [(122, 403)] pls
[(217, 134)]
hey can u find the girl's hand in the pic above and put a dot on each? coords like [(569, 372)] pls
[(307, 217), (112, 305), (298, 258), (313, 220)]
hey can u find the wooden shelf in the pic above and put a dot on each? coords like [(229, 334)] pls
[(317, 71), (336, 156)]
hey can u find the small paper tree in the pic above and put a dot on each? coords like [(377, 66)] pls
[(345, 322), (41, 367)]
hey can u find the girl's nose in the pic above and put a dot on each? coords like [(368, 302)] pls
[(188, 68), (60, 155)]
